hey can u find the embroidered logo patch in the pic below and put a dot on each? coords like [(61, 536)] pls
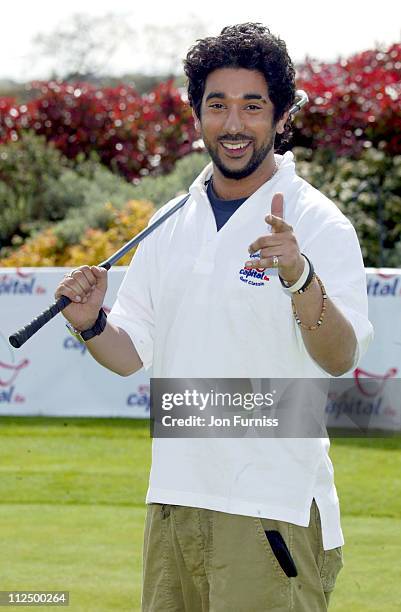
[(253, 276)]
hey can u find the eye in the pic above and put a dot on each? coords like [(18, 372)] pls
[(253, 107), (217, 105)]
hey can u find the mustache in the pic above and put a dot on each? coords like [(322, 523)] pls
[(236, 138)]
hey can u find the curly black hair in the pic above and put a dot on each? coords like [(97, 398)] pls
[(247, 45)]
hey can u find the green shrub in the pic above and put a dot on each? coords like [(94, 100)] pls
[(103, 186), (39, 186), (10, 211), (84, 191), (25, 167), (368, 191), (161, 189)]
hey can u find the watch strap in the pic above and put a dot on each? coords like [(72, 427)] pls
[(97, 328)]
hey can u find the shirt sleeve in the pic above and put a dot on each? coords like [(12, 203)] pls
[(133, 309), (337, 259)]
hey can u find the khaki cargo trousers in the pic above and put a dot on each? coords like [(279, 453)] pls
[(198, 560)]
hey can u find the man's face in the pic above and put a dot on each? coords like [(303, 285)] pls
[(236, 121)]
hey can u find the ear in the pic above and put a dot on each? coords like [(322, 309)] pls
[(281, 123), (197, 122)]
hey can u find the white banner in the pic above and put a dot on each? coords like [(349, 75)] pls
[(53, 374)]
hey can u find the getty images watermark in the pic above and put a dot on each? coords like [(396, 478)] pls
[(211, 401), (301, 408), (236, 408)]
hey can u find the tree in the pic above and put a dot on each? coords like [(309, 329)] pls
[(167, 45), (82, 45)]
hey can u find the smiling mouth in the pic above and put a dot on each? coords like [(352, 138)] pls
[(235, 149)]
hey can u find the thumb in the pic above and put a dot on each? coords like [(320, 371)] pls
[(277, 207)]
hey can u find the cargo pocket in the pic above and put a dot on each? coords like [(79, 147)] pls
[(332, 564), (281, 552), (277, 539)]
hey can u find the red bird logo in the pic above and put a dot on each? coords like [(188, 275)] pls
[(8, 369), (368, 389), (11, 372)]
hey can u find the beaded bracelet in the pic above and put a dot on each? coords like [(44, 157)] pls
[(318, 324)]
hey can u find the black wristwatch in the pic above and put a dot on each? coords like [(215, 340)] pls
[(93, 331)]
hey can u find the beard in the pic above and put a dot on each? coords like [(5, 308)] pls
[(258, 156)]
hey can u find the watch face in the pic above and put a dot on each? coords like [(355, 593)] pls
[(74, 332)]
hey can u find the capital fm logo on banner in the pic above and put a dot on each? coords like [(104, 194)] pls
[(20, 283), (371, 397), (140, 398), (10, 370), (384, 285)]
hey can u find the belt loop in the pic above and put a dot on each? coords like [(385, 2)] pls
[(165, 511)]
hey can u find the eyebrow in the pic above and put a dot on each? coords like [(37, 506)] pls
[(249, 96)]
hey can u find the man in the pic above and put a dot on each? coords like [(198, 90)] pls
[(226, 288)]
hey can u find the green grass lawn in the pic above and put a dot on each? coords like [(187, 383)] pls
[(72, 512)]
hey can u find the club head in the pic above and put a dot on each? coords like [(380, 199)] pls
[(301, 99)]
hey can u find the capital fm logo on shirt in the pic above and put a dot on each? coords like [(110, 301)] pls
[(20, 283), (384, 285), (10, 370), (254, 276)]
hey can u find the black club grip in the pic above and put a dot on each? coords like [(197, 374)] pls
[(21, 336)]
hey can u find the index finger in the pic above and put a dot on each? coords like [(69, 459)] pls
[(276, 218), (277, 207)]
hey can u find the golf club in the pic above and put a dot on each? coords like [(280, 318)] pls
[(21, 336)]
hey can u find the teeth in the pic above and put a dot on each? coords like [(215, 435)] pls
[(241, 145)]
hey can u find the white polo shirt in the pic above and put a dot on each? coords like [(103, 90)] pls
[(191, 312)]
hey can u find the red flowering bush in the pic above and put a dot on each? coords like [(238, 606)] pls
[(132, 134), (10, 118), (354, 103)]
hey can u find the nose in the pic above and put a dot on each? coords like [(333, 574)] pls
[(234, 122)]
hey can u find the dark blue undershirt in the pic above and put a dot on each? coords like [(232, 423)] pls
[(222, 209)]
